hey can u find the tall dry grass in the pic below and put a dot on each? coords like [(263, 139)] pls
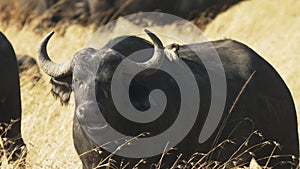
[(269, 27)]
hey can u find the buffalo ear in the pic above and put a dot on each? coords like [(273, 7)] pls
[(62, 88)]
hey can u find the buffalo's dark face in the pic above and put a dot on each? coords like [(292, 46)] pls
[(89, 75), (104, 60), (92, 70)]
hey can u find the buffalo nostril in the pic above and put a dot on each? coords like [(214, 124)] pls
[(80, 112)]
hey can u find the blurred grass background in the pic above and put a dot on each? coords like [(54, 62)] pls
[(271, 28)]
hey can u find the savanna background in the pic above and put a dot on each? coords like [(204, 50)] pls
[(271, 28)]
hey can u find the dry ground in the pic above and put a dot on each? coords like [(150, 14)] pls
[(269, 27)]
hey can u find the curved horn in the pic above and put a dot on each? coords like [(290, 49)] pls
[(49, 67), (158, 54), (155, 39), (155, 61)]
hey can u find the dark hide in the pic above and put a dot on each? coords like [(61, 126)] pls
[(10, 101), (265, 105)]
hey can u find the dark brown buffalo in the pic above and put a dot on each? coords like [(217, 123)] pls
[(185, 9), (265, 104), (25, 62), (28, 66), (10, 102)]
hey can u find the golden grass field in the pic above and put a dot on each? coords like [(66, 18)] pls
[(271, 28)]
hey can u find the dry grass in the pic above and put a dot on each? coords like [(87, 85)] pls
[(269, 27)]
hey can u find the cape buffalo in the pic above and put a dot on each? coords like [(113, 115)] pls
[(10, 102), (25, 62), (259, 118), (27, 65), (185, 9)]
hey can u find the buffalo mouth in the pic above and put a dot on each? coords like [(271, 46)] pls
[(93, 127), (89, 118)]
